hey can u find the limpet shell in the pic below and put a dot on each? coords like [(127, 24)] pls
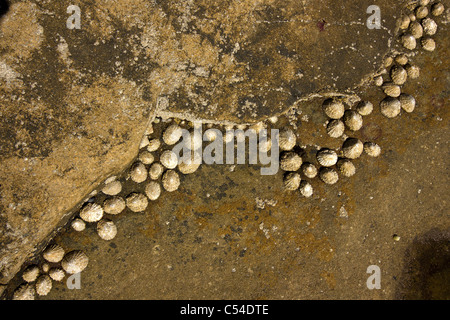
[(333, 108), (437, 9), (290, 161), (56, 274), (169, 159), (398, 75), (112, 188), (346, 167), (138, 172), (210, 135), (114, 205), (401, 59), (155, 171), (24, 292), (306, 189), (388, 61), (45, 267), (328, 175), (353, 120), (352, 148), (91, 212), (429, 26), (408, 41), (137, 202), (327, 157), (172, 134), (335, 128), (188, 168), (78, 225), (287, 139), (378, 81), (153, 190), (75, 262), (390, 107), (391, 89), (424, 2), (413, 71), (170, 180), (144, 142), (364, 108), (53, 253), (407, 101), (30, 273), (153, 145), (421, 12), (416, 29), (146, 157), (292, 181), (106, 229), (372, 149), (309, 170), (403, 22), (43, 285), (428, 44)]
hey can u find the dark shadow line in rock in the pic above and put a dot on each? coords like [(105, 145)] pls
[(4, 7)]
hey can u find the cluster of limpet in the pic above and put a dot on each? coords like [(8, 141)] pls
[(58, 263)]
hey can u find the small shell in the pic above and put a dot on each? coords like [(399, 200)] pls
[(378, 81), (24, 292), (391, 89), (352, 148), (112, 188), (114, 205), (306, 189), (290, 161), (56, 274), (137, 202), (169, 159), (388, 61), (353, 120), (45, 267), (43, 285), (372, 149), (287, 139), (412, 16), (428, 44), (75, 262), (153, 190), (144, 142), (346, 167), (335, 128), (401, 59), (78, 225), (138, 172), (91, 212), (265, 145), (407, 101), (327, 157), (333, 108), (413, 71), (53, 253), (398, 75), (170, 180), (309, 170), (408, 41), (210, 135), (155, 171), (421, 12), (403, 22), (153, 145), (292, 181), (429, 26), (146, 157), (328, 175), (415, 29), (437, 9), (30, 273), (424, 2), (106, 229), (390, 107), (364, 108), (172, 134), (189, 166)]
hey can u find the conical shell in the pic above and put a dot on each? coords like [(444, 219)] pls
[(170, 180), (327, 157), (138, 172), (413, 71), (364, 108), (153, 145), (137, 202), (43, 285), (306, 189), (114, 205), (346, 167), (372, 149), (408, 41), (45, 267), (407, 101), (112, 188), (416, 29), (146, 157), (353, 120), (188, 168), (428, 44), (290, 161), (391, 89), (378, 81), (169, 159), (153, 190), (172, 134), (75, 262), (424, 2), (390, 107), (403, 22), (398, 75), (287, 139), (333, 108), (31, 273), (106, 229), (78, 225), (335, 128), (437, 9), (91, 212), (421, 12), (155, 171), (429, 26), (24, 292), (401, 59), (53, 253), (56, 274), (328, 175), (292, 181), (309, 170), (352, 148)]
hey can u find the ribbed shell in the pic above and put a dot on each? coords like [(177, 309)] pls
[(24, 292), (372, 149), (408, 41), (352, 148), (335, 128), (53, 253), (45, 267), (170, 180), (346, 167), (353, 120), (429, 26), (155, 171), (137, 202), (390, 107), (56, 274), (153, 190), (391, 89), (309, 170), (437, 9), (114, 205), (398, 75), (416, 29), (306, 189), (428, 44), (378, 81), (172, 134), (327, 157), (75, 262), (169, 159), (30, 273), (91, 212), (328, 175), (364, 108), (138, 172), (407, 101), (403, 22), (421, 12), (146, 157), (413, 71), (78, 225), (153, 145), (106, 229), (290, 161), (292, 181), (43, 285), (188, 168), (287, 139), (333, 108), (112, 188), (401, 59)]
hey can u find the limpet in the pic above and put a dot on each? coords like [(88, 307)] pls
[(78, 225), (353, 120), (403, 22), (43, 285), (114, 205), (137, 202), (437, 9), (408, 41), (421, 12), (335, 128), (106, 229), (327, 157), (287, 139), (155, 171), (352, 148), (45, 267), (428, 44), (292, 181), (309, 170), (424, 2), (91, 212), (413, 71), (401, 59), (290, 161), (53, 253), (364, 108), (306, 189), (333, 108), (30, 273), (429, 26), (146, 157), (153, 190), (172, 134), (169, 159), (416, 29), (112, 188), (138, 172), (398, 75), (346, 167), (170, 180), (75, 262), (391, 89), (372, 149), (24, 292), (407, 101), (189, 166), (56, 274), (153, 145), (390, 107), (378, 81), (328, 175)]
